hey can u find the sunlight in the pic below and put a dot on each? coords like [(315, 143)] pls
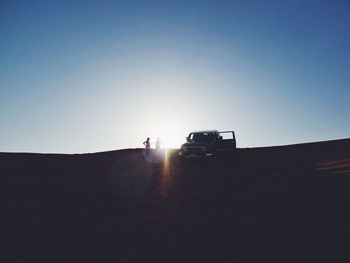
[(169, 126), (168, 109), (170, 136), (166, 179)]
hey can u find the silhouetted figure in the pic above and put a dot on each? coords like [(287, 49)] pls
[(158, 144), (147, 143)]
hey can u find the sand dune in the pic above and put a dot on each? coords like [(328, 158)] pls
[(273, 204)]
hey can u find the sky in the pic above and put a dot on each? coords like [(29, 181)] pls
[(89, 76)]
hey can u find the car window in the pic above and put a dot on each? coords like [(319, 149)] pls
[(202, 137), (227, 135)]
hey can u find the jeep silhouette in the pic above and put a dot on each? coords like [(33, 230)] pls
[(202, 144)]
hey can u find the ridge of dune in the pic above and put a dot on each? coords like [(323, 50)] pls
[(282, 203)]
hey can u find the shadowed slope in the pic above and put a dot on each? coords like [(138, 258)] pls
[(285, 203)]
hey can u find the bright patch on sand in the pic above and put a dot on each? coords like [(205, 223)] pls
[(339, 166)]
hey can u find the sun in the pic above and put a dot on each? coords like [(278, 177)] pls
[(166, 122), (170, 136)]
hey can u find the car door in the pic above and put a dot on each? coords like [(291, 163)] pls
[(228, 141)]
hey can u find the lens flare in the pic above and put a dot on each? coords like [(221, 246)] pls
[(166, 178)]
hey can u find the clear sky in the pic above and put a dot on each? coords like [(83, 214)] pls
[(87, 76)]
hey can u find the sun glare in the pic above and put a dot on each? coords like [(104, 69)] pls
[(170, 136)]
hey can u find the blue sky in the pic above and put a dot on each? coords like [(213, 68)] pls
[(86, 76)]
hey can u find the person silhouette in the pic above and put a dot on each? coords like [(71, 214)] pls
[(147, 144), (158, 144)]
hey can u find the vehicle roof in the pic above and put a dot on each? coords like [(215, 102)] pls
[(204, 131)]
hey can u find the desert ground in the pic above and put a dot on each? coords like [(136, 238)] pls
[(273, 204)]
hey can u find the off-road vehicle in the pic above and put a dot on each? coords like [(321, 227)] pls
[(201, 144)]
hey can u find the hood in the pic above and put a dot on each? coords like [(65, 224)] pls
[(189, 144)]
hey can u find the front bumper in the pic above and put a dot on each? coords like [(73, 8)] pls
[(195, 152)]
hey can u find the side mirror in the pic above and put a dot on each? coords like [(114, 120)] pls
[(187, 139), (220, 138)]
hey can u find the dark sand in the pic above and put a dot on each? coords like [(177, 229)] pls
[(275, 204)]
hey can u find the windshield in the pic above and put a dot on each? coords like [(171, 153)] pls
[(202, 137)]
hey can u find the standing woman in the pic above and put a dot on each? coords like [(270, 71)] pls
[(147, 152), (158, 144), (147, 144)]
